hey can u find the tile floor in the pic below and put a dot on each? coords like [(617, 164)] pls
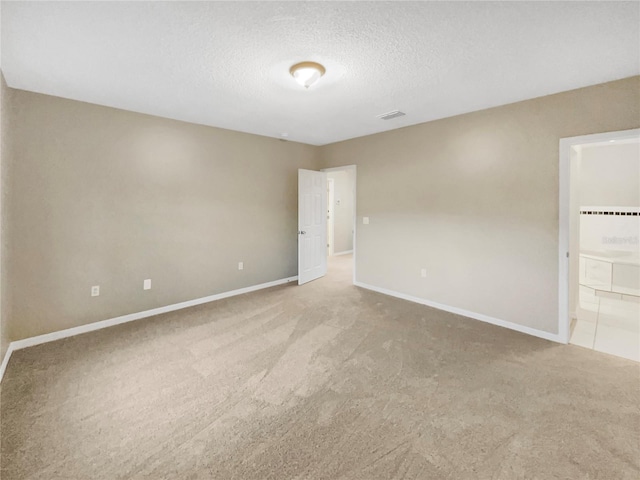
[(608, 325)]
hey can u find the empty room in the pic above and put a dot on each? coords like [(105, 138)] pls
[(319, 240)]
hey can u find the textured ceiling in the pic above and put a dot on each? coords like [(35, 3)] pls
[(226, 63)]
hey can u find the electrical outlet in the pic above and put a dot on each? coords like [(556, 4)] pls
[(95, 290), (365, 220), (423, 273), (240, 265), (147, 284)]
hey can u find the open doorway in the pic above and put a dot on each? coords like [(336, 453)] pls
[(331, 187), (599, 225), (341, 217)]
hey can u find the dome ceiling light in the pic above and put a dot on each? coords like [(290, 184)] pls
[(307, 73)]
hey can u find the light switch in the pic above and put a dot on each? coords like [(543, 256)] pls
[(147, 284), (365, 220)]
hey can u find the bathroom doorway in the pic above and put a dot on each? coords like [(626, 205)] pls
[(599, 225), (330, 215)]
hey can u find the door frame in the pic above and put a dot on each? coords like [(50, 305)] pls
[(354, 169), (564, 218)]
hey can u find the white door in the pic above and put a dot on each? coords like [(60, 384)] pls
[(312, 225)]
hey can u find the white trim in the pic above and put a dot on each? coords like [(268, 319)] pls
[(563, 244), (5, 360), (91, 327), (597, 208), (346, 252), (355, 218), (466, 313), (564, 318)]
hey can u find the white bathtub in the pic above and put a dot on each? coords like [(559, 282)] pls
[(615, 271)]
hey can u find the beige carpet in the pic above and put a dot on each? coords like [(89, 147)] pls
[(323, 381)]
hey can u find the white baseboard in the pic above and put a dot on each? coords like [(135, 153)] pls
[(91, 327), (346, 252), (554, 337), (5, 361)]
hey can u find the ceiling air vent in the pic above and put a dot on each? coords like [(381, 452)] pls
[(390, 115)]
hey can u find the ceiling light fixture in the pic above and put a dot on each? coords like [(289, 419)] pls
[(307, 73)]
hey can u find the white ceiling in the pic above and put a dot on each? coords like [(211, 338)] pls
[(226, 64)]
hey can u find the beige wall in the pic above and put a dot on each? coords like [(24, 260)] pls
[(5, 105), (106, 197), (474, 200)]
